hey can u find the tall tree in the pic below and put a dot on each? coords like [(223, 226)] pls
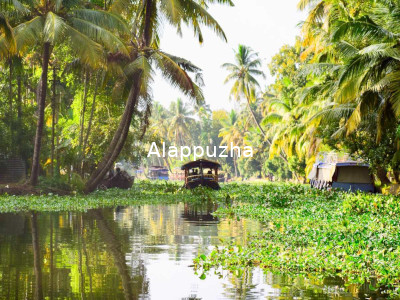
[(144, 53), (244, 73), (232, 134), (181, 117), (51, 22)]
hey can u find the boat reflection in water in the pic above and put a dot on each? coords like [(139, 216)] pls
[(139, 252)]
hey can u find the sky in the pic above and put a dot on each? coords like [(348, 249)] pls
[(263, 25)]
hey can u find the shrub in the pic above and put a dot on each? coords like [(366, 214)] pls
[(361, 203)]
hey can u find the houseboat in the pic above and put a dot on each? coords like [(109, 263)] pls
[(347, 176), (201, 172)]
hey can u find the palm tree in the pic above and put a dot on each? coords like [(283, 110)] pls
[(51, 22), (145, 53), (243, 73), (180, 120), (160, 127), (359, 72), (232, 134)]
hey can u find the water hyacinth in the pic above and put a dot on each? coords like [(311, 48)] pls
[(306, 231)]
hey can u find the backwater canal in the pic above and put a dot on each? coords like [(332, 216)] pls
[(136, 252)]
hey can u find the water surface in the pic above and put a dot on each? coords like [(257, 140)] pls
[(138, 252)]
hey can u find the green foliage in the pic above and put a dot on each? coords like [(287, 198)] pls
[(62, 184), (142, 192), (378, 205), (54, 183), (307, 231)]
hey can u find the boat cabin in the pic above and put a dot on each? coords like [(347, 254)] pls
[(347, 176), (201, 172)]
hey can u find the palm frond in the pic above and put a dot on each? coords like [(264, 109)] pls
[(89, 51), (54, 28), (195, 15), (177, 76), (28, 33), (104, 19), (100, 35), (6, 28)]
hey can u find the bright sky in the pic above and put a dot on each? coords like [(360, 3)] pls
[(264, 25)]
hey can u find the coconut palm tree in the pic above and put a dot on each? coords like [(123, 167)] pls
[(145, 53), (160, 127), (359, 77), (49, 23), (180, 120), (232, 134), (244, 73)]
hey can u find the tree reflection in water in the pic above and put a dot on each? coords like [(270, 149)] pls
[(36, 257), (138, 252), (65, 255), (200, 213)]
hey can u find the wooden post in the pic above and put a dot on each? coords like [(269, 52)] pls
[(186, 176), (216, 174), (202, 175)]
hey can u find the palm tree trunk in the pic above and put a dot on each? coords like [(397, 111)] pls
[(53, 121), (282, 155), (121, 134), (82, 122), (57, 168), (119, 138), (167, 163), (254, 117), (19, 113), (85, 141), (234, 164), (80, 263), (51, 283), (85, 253), (41, 100), (114, 247), (19, 98), (10, 103)]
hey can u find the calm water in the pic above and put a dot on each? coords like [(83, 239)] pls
[(135, 253)]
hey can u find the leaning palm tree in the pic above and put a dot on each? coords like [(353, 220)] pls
[(51, 22), (244, 73), (145, 53)]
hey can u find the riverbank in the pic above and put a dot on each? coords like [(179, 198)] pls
[(143, 192), (328, 234)]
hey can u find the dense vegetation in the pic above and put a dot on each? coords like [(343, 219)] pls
[(76, 79), (86, 68), (335, 89), (144, 192), (353, 236)]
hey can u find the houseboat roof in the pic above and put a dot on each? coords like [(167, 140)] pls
[(203, 162), (341, 164)]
